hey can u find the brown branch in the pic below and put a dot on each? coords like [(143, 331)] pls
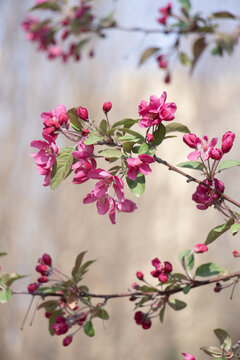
[(194, 284), (191, 178)]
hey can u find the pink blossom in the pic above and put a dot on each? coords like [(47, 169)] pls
[(161, 272), (60, 328), (227, 141), (127, 206), (47, 154), (54, 51), (139, 164), (236, 254), (205, 196), (203, 148), (200, 248), (162, 62), (83, 151), (188, 356), (38, 32), (82, 168), (54, 120), (38, 2), (156, 111), (67, 340), (149, 137), (139, 275), (215, 154)]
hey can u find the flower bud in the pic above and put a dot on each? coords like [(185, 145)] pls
[(47, 260), (82, 113), (218, 287), (215, 154), (163, 278), (227, 141), (67, 340), (85, 132), (200, 248), (139, 275), (107, 106), (42, 279), (32, 287), (150, 137), (167, 267), (189, 140), (236, 254)]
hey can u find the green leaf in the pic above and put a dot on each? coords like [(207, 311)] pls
[(159, 135), (177, 127), (103, 126), (198, 48), (137, 186), (227, 164), (102, 314), (126, 122), (61, 167), (208, 269), (213, 351), (217, 50), (185, 4), (235, 228), (82, 270), (10, 278), (222, 15), (128, 145), (52, 320), (131, 132), (143, 149), (161, 313), (49, 305), (194, 165), (3, 253), (146, 288), (189, 260), (184, 59), (88, 328), (186, 289), (147, 54), (111, 153), (176, 304), (224, 338), (218, 230), (75, 121), (5, 295), (93, 139), (49, 5), (78, 262)]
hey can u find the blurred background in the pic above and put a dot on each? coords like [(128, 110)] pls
[(35, 220)]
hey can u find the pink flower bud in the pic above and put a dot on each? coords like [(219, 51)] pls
[(132, 298), (167, 78), (139, 275), (47, 314), (217, 288), (200, 248), (146, 323), (163, 278), (150, 137), (67, 340), (60, 319), (42, 279), (135, 286), (107, 106), (162, 62), (215, 154), (188, 356), (189, 139), (236, 254), (82, 113), (41, 269), (227, 141), (47, 259), (139, 317), (85, 132), (32, 287), (167, 267)]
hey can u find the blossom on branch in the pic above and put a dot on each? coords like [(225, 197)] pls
[(140, 164), (54, 120), (202, 148), (206, 196), (156, 111)]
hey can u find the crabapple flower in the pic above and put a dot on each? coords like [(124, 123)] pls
[(54, 120), (139, 164), (215, 154), (149, 138), (82, 113), (83, 151), (200, 248), (162, 62), (142, 319), (188, 356), (204, 147), (236, 254), (127, 206), (32, 287), (107, 106), (46, 156), (205, 196), (67, 340), (156, 111), (227, 141), (85, 162)]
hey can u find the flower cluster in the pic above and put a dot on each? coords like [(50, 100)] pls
[(140, 164), (206, 150), (161, 271), (206, 196), (58, 37), (142, 319), (156, 111), (165, 12), (44, 267)]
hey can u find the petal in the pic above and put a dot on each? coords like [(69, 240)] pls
[(103, 205)]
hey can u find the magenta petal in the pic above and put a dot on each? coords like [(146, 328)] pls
[(99, 174), (146, 158), (59, 110), (90, 198), (103, 205), (39, 144), (132, 173), (144, 169), (193, 156)]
